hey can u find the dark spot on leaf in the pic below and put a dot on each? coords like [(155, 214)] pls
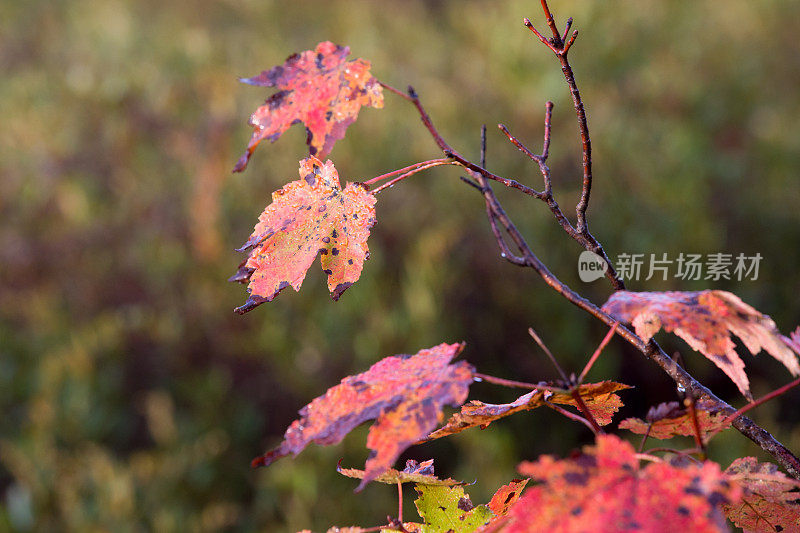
[(322, 208), (683, 510), (328, 271), (322, 251), (717, 498), (465, 504), (355, 215), (335, 235), (359, 385), (574, 478), (310, 178), (328, 115), (586, 461), (335, 251), (326, 240), (340, 288), (576, 511), (349, 261)]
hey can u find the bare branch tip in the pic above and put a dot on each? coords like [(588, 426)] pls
[(527, 22)]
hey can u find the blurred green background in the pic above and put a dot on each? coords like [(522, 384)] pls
[(133, 399)]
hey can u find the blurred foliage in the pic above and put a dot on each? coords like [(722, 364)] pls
[(133, 398)]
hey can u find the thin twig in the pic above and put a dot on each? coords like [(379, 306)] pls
[(519, 384), (584, 409), (754, 404), (646, 434), (571, 416), (598, 351), (512, 184), (549, 354), (684, 453)]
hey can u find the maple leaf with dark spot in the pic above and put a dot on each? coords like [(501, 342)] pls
[(605, 490), (705, 320), (502, 501), (770, 501), (308, 217), (317, 87), (404, 394), (669, 419), (600, 398)]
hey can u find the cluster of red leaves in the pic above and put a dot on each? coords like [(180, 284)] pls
[(317, 87), (705, 320), (308, 217), (668, 420), (605, 490), (404, 394)]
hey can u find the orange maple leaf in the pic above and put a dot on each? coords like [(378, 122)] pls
[(669, 419), (308, 217), (705, 320), (770, 499), (600, 398), (404, 394), (604, 490), (505, 497), (317, 87)]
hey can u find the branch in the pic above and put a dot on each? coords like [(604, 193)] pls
[(651, 349), (527, 258)]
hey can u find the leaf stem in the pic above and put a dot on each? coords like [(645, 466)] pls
[(756, 403), (573, 416), (549, 354), (598, 351), (395, 91), (519, 384), (376, 179), (422, 166)]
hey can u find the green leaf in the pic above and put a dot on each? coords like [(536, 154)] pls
[(446, 509)]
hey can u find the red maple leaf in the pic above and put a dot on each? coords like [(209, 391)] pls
[(317, 87), (669, 419), (308, 217), (600, 398), (404, 394), (770, 499), (705, 320), (604, 490)]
